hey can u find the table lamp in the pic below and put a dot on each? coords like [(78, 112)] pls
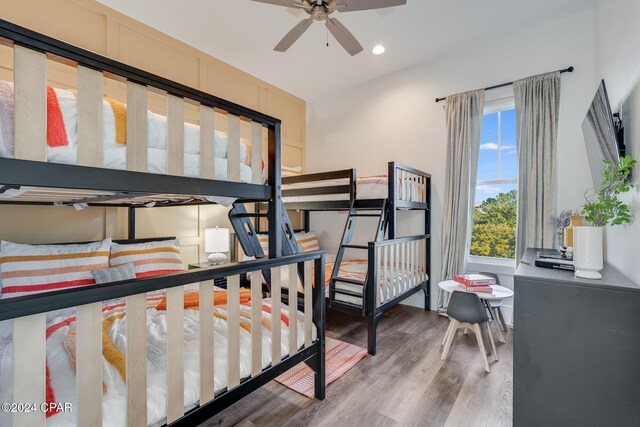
[(216, 241)]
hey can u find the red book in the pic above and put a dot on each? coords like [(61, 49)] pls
[(480, 289), (474, 280)]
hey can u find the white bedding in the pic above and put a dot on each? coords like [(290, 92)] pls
[(115, 155), (114, 401)]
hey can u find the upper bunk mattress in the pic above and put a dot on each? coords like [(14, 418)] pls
[(367, 187), (62, 142)]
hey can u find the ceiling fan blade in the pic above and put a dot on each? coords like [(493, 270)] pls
[(285, 3), (355, 5), (343, 36), (293, 35)]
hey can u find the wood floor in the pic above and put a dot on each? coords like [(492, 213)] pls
[(405, 384)]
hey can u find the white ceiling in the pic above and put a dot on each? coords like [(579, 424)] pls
[(243, 34)]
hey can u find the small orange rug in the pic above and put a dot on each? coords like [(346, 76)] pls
[(341, 357)]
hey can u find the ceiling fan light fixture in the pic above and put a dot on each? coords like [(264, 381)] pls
[(378, 49)]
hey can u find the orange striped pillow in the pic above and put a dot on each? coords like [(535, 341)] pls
[(308, 242), (264, 242), (33, 269), (149, 259)]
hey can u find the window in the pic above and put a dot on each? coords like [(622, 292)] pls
[(493, 231)]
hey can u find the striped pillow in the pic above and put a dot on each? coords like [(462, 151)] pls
[(308, 242), (264, 242), (33, 269), (149, 259)]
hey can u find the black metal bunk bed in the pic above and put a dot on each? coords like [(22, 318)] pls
[(94, 186), (408, 189)]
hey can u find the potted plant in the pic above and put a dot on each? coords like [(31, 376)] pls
[(602, 208)]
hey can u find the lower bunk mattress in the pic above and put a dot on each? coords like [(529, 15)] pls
[(61, 351), (396, 284)]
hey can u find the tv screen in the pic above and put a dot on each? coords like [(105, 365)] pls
[(600, 134)]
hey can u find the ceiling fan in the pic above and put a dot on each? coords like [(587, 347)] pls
[(320, 10)]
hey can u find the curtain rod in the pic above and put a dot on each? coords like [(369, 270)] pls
[(566, 70)]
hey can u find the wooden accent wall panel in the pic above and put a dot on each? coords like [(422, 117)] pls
[(83, 23), (141, 49), (226, 82)]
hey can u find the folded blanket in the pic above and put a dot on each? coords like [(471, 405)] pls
[(120, 116), (56, 133)]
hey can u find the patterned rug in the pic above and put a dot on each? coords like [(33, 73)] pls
[(341, 357)]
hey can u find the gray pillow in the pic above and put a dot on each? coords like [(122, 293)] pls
[(114, 274)]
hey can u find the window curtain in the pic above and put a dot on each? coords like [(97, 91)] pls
[(537, 101), (463, 127)]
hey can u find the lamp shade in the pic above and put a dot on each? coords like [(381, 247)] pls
[(216, 240)]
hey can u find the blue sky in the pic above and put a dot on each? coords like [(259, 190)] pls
[(488, 159)]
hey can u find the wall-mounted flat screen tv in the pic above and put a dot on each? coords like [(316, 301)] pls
[(601, 134)]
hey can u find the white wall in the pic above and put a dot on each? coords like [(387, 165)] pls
[(396, 118), (618, 35)]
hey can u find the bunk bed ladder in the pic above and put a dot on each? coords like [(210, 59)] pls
[(248, 236), (345, 244)]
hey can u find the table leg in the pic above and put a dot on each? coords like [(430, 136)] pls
[(495, 321), (486, 340)]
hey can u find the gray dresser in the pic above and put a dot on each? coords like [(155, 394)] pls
[(576, 349)]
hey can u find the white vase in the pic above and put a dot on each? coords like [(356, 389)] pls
[(587, 252)]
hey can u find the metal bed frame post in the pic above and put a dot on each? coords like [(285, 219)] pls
[(371, 309), (427, 252), (317, 363), (391, 218), (275, 180), (131, 230)]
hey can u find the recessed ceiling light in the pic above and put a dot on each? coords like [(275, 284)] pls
[(378, 50)]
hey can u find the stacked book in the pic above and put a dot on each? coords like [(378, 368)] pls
[(555, 260), (476, 282)]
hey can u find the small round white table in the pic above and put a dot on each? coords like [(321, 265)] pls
[(499, 293)]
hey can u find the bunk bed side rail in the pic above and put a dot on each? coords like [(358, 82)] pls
[(31, 52), (409, 188), (45, 44), (397, 268), (306, 337), (342, 191)]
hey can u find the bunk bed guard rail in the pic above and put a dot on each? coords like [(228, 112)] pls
[(29, 338), (32, 50), (396, 267)]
